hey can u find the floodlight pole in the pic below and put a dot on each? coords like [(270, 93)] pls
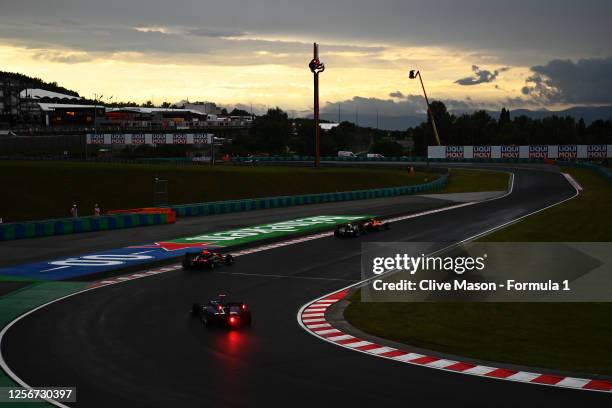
[(433, 120), (316, 67)]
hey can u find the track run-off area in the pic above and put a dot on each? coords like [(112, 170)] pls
[(132, 342)]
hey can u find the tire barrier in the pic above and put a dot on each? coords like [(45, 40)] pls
[(170, 215), (62, 226), (250, 204)]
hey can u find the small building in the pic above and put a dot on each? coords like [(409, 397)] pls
[(9, 99), (328, 126), (158, 117), (60, 114), (209, 108), (37, 93)]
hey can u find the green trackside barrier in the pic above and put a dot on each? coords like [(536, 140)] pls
[(383, 159), (62, 226), (220, 207), (605, 172)]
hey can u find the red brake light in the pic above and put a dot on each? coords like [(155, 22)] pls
[(232, 319), (244, 306)]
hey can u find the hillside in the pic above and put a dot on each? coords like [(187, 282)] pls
[(30, 82)]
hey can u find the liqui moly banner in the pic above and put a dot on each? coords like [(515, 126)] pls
[(538, 152), (149, 138), (598, 151), (541, 152), (509, 152), (481, 152), (567, 152), (455, 152)]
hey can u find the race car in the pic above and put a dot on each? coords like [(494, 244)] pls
[(222, 313), (206, 260), (347, 230), (363, 227), (374, 224)]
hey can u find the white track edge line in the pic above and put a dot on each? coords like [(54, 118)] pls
[(487, 232)]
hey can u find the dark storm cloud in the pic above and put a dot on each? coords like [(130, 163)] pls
[(410, 105), (564, 81), (481, 76), (516, 31), (397, 94)]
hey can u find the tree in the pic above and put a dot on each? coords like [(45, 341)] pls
[(239, 112), (504, 118), (387, 148), (271, 131), (444, 122)]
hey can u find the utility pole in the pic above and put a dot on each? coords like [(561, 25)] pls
[(96, 98), (316, 67)]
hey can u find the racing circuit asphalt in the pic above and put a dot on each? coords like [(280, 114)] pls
[(134, 344)]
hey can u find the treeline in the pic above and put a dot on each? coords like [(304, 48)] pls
[(32, 82), (275, 133), (480, 128)]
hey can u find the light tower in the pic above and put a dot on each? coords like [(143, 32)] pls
[(316, 67), (413, 74)]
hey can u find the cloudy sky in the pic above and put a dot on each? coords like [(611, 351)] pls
[(471, 53)]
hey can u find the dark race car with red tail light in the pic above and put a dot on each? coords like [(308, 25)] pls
[(206, 259), (356, 229), (222, 313)]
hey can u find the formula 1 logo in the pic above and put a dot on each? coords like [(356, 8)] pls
[(454, 152), (568, 152), (481, 152), (510, 152), (100, 260), (597, 151), (538, 152)]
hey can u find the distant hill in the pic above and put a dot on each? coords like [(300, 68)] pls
[(31, 82), (588, 113)]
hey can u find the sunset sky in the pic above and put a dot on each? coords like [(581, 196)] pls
[(471, 53)]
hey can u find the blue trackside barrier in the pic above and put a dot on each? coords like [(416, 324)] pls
[(62, 226), (251, 204), (281, 159), (43, 228), (603, 171)]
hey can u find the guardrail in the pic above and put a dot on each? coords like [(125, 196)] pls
[(250, 204), (61, 226)]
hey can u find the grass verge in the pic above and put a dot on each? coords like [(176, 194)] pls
[(46, 189), (463, 180), (564, 336)]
